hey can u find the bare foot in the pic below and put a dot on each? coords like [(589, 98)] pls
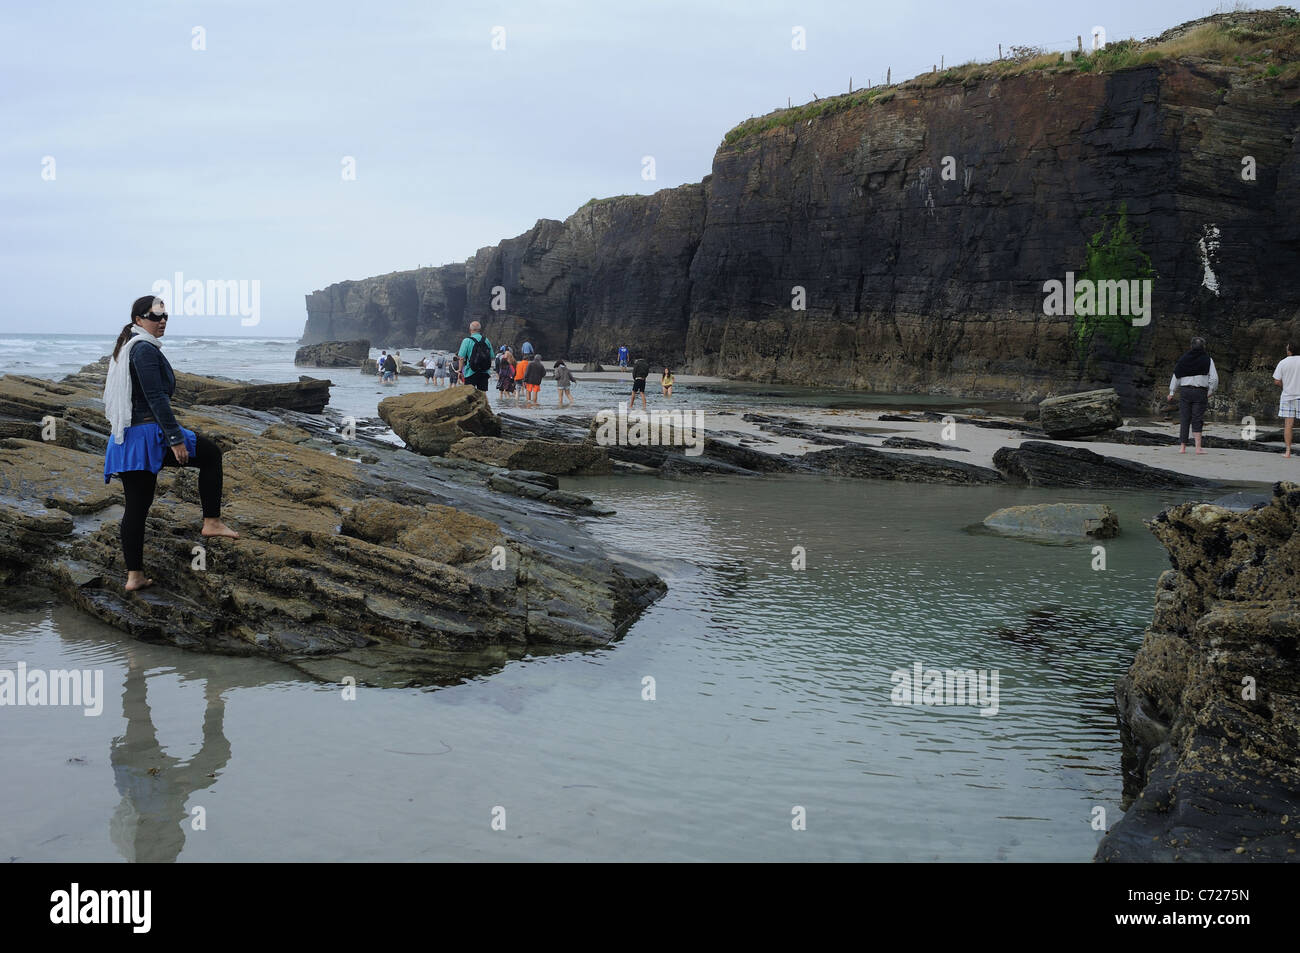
[(1287, 454), (1200, 451), (1182, 449), (217, 528), (137, 583)]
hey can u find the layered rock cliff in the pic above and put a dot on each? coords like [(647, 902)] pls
[(921, 222)]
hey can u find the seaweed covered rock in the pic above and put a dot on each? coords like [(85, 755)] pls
[(1209, 712)]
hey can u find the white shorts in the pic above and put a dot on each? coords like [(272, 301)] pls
[(1289, 408)]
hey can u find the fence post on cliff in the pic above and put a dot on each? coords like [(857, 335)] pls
[(850, 84), (1000, 50), (889, 70), (1079, 37)]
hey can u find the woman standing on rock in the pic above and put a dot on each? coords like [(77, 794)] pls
[(1195, 379), (146, 436)]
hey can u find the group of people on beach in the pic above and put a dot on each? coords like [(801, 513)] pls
[(522, 376), (518, 377), (1195, 380)]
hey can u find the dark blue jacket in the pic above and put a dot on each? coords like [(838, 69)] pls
[(152, 384)]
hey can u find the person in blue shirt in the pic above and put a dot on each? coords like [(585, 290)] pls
[(474, 359), (622, 356), (146, 436)]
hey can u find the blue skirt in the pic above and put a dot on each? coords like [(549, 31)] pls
[(143, 447)]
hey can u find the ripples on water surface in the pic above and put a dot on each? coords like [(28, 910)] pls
[(773, 690)]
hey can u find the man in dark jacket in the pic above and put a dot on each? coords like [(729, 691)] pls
[(533, 380), (640, 371)]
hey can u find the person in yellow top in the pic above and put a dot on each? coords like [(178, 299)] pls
[(666, 382)]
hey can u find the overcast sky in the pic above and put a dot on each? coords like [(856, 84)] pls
[(226, 163)]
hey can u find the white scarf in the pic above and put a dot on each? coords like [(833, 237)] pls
[(117, 384)]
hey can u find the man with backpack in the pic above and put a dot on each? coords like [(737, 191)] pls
[(474, 359)]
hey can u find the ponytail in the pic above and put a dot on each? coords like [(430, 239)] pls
[(123, 338), (141, 305)]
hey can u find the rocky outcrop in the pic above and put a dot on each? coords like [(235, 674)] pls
[(1080, 415), (1209, 712), (309, 395), (918, 224), (1056, 519), (404, 571), (333, 354), (432, 421), (1048, 464)]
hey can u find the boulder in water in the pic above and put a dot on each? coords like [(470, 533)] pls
[(1056, 519), (333, 354)]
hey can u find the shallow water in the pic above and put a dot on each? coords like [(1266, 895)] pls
[(772, 691)]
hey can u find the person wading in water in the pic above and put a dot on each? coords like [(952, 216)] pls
[(146, 436)]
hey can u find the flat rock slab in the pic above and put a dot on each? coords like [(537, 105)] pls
[(1039, 463), (914, 443), (545, 456), (869, 463), (1055, 520)]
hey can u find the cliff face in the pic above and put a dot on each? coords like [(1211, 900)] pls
[(915, 280)]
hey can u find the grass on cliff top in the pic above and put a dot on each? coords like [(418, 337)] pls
[(1267, 47)]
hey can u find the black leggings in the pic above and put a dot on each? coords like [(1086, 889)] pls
[(138, 487)]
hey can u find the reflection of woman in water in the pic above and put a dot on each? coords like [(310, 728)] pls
[(148, 824)]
